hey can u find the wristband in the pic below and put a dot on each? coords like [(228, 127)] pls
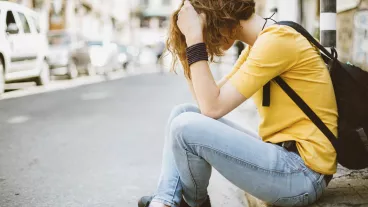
[(197, 52)]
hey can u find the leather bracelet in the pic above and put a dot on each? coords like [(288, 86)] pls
[(197, 52)]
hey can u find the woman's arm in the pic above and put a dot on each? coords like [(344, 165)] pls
[(272, 54), (190, 85), (225, 79), (220, 83), (211, 101), (214, 100)]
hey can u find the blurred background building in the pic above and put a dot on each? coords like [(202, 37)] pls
[(144, 22)]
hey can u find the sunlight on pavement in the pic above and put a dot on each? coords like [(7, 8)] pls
[(53, 86), (18, 119), (95, 96), (29, 88)]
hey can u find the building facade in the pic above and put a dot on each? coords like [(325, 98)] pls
[(150, 20), (352, 38), (94, 19)]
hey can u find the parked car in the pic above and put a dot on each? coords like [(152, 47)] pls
[(104, 56), (147, 56), (124, 57), (23, 47), (69, 54)]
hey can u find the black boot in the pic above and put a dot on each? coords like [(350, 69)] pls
[(205, 204), (145, 201)]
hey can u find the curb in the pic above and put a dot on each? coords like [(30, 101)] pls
[(67, 84)]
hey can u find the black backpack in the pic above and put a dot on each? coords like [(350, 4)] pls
[(351, 89)]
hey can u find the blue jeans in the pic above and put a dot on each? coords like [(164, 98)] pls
[(195, 143)]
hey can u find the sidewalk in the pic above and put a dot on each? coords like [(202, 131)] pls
[(347, 189)]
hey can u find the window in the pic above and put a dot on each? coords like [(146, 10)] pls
[(9, 18), (163, 22), (24, 22), (145, 22), (60, 39), (36, 23)]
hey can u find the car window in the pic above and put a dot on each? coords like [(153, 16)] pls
[(24, 22), (36, 23), (10, 19), (32, 24), (59, 39)]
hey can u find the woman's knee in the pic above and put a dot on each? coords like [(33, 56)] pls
[(184, 125), (182, 108)]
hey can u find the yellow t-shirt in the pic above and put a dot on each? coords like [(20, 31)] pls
[(280, 50)]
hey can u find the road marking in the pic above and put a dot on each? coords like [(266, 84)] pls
[(18, 119), (94, 96), (61, 85), (66, 84), (53, 86)]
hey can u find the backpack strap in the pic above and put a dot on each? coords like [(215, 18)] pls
[(327, 56), (266, 99), (359, 75), (307, 110)]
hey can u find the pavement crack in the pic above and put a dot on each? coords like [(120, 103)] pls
[(355, 205), (354, 174), (342, 176)]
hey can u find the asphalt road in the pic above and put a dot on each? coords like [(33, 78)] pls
[(93, 145)]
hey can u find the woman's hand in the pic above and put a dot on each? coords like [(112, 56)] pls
[(191, 24)]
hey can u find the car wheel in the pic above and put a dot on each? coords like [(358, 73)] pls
[(91, 71), (44, 77), (2, 78), (72, 70)]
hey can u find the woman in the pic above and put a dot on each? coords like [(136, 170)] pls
[(197, 138)]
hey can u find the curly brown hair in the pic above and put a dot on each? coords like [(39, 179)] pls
[(222, 20)]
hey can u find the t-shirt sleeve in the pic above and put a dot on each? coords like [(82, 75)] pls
[(273, 53)]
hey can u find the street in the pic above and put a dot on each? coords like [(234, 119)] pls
[(93, 145), (87, 130), (90, 142)]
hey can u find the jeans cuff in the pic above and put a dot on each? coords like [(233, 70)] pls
[(164, 201)]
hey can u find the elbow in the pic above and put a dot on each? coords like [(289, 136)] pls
[(211, 112)]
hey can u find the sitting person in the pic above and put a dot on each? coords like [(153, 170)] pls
[(198, 138)]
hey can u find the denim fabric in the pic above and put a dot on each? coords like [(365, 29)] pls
[(196, 143)]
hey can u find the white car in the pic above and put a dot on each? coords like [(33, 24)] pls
[(23, 47), (104, 56)]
